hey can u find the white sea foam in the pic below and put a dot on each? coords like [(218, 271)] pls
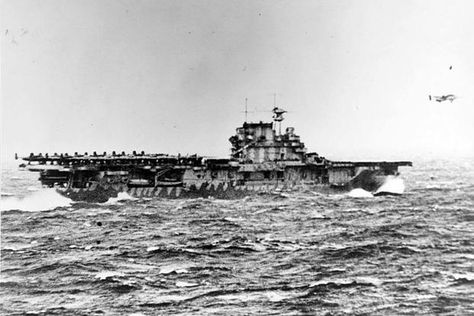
[(394, 185), (108, 274), (122, 196), (172, 269), (41, 200), (345, 281), (278, 296), (186, 284), (150, 249), (360, 193)]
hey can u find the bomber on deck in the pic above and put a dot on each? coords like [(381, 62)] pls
[(262, 160)]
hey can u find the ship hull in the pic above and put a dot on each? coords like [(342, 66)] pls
[(371, 182)]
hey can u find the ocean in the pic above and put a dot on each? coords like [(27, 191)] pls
[(304, 253)]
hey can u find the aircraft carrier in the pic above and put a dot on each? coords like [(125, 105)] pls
[(263, 159)]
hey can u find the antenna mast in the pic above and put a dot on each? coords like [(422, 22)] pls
[(275, 106), (246, 110), (277, 114)]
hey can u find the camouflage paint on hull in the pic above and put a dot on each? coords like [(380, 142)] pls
[(369, 181), (101, 194)]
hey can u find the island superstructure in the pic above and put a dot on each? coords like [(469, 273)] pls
[(263, 159)]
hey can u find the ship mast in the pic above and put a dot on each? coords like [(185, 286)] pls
[(277, 114), (246, 111)]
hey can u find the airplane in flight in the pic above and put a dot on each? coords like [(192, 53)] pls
[(449, 97)]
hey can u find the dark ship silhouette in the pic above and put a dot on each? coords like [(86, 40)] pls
[(262, 160)]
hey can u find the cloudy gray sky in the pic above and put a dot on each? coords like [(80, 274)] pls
[(172, 76)]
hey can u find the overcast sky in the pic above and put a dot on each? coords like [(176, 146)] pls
[(172, 76)]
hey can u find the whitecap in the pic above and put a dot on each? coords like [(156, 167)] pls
[(150, 249), (278, 296), (368, 280), (18, 246), (360, 193), (348, 281), (171, 269), (121, 197), (468, 276), (108, 274), (392, 185), (185, 284), (44, 199)]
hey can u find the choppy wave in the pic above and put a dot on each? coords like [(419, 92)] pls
[(305, 253), (360, 193), (393, 185), (121, 197), (41, 200)]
